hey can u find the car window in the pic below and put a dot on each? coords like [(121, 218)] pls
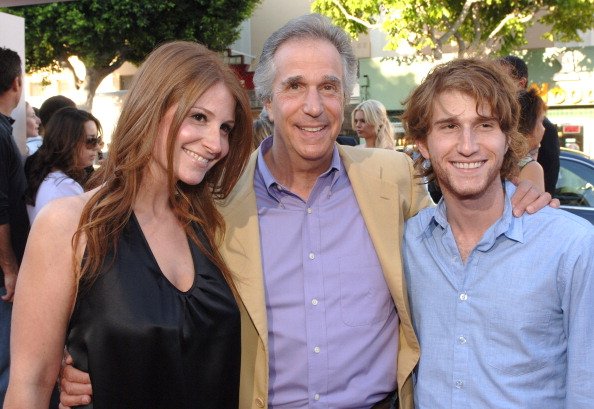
[(575, 186)]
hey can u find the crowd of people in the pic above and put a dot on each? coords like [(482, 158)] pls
[(197, 272)]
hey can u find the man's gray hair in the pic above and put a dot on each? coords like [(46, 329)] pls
[(309, 26)]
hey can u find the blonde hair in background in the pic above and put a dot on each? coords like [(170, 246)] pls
[(376, 115)]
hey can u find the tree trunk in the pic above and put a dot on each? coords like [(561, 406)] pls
[(90, 84)]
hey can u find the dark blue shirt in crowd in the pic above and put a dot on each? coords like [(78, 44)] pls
[(12, 189)]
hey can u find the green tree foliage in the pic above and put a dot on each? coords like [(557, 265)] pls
[(472, 27), (104, 34)]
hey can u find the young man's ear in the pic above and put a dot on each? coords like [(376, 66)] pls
[(422, 146)]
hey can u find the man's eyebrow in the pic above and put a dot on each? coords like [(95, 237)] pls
[(292, 80), (299, 78), (332, 78), (454, 118), (488, 118), (446, 120)]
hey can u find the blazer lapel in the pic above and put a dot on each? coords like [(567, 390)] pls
[(378, 201), (241, 247)]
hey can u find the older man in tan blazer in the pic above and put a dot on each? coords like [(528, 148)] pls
[(387, 195)]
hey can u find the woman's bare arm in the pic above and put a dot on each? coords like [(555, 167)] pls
[(44, 298)]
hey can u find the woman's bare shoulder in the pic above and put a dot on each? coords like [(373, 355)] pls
[(63, 214)]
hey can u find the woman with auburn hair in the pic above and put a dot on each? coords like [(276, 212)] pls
[(370, 120), (57, 169), (140, 292)]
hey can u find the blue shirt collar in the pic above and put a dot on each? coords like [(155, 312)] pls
[(507, 224)]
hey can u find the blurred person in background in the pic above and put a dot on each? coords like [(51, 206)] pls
[(370, 120), (57, 169), (50, 106), (14, 224), (262, 128), (532, 113), (548, 153), (34, 139)]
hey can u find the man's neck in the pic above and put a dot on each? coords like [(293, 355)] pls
[(469, 218), (299, 176), (6, 104)]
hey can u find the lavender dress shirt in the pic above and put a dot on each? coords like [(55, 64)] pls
[(332, 324)]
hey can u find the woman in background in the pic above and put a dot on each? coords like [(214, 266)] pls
[(34, 140), (139, 291), (263, 128), (533, 110), (370, 121), (57, 169)]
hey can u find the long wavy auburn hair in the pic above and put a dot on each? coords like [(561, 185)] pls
[(174, 74)]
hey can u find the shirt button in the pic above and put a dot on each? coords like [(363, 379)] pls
[(459, 384), (260, 402), (309, 210), (461, 340), (463, 296), (317, 350), (312, 256), (314, 301), (317, 396)]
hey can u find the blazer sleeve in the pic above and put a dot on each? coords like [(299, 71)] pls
[(412, 188)]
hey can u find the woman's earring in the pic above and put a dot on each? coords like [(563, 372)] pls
[(426, 164)]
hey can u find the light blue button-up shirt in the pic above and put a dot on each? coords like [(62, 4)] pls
[(332, 324), (513, 327)]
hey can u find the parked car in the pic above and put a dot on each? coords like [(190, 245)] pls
[(575, 186)]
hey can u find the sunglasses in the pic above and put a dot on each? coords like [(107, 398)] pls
[(93, 142)]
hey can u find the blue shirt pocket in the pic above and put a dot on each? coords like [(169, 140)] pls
[(517, 341)]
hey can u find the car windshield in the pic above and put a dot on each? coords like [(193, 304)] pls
[(574, 186)]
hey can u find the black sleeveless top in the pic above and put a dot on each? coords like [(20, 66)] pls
[(147, 344)]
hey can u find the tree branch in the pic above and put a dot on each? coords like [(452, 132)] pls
[(349, 16), (504, 21), (461, 17), (77, 80), (478, 27)]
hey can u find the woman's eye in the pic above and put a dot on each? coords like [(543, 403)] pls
[(199, 117), (226, 129)]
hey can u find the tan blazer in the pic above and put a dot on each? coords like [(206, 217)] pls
[(387, 195)]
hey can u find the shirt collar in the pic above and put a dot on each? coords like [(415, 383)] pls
[(7, 118), (507, 224), (336, 168)]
